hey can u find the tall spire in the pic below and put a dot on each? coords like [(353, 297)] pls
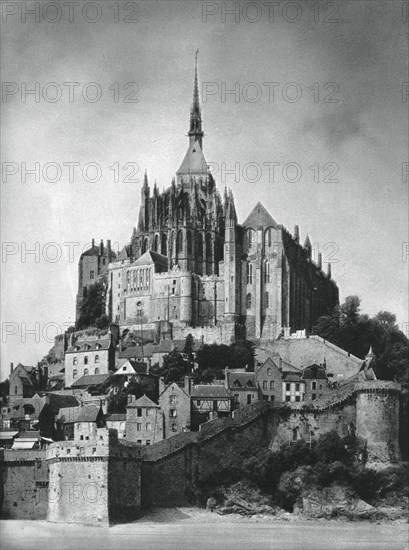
[(195, 130)]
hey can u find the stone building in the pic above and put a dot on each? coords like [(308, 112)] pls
[(174, 403), (143, 421), (23, 382), (89, 356), (242, 386), (316, 381), (269, 380), (208, 401), (92, 265), (191, 265)]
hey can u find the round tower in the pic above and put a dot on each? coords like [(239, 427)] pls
[(377, 413)]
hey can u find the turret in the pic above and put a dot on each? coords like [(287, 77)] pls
[(307, 246), (296, 235)]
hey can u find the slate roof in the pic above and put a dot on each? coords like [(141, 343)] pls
[(99, 344), (291, 377), (259, 216), (90, 380), (143, 401), (116, 417), (194, 161), (88, 413), (150, 257), (164, 346), (210, 391), (241, 380), (136, 366), (94, 251), (315, 371)]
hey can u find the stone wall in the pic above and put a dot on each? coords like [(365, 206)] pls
[(24, 484)]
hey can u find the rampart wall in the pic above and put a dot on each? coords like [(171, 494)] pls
[(106, 479), (24, 484)]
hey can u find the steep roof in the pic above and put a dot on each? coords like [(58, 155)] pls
[(194, 161), (131, 367), (210, 391), (315, 371), (241, 380), (88, 413), (143, 401), (259, 216), (151, 258)]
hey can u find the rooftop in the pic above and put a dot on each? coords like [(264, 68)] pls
[(210, 391)]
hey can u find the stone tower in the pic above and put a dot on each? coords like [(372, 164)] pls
[(185, 222)]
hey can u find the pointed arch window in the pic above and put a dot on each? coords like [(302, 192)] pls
[(248, 301), (249, 274), (156, 243), (251, 237), (267, 274), (199, 245), (86, 371), (266, 300), (179, 242), (189, 242), (164, 245)]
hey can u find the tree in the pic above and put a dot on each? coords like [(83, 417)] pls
[(92, 306), (175, 367)]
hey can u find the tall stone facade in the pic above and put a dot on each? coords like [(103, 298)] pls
[(191, 264)]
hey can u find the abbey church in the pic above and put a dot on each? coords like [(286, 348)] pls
[(190, 267)]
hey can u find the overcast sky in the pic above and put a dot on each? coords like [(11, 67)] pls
[(321, 93)]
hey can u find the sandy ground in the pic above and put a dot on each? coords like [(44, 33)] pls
[(196, 529)]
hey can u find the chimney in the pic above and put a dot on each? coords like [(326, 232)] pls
[(320, 260), (93, 243), (188, 384), (101, 247), (11, 368), (226, 378), (329, 270)]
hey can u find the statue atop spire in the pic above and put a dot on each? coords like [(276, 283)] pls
[(195, 130)]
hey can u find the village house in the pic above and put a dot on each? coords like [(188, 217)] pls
[(269, 381), (143, 421), (174, 403), (243, 387), (209, 401), (89, 356), (316, 381)]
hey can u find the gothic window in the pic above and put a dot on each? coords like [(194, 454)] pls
[(91, 275), (208, 246), (148, 279), (74, 373), (189, 243), (249, 274), (86, 371), (134, 280), (164, 245), (269, 235), (266, 300), (199, 246), (179, 242), (264, 384), (96, 371), (75, 361), (267, 272), (156, 244), (248, 301), (251, 237), (96, 359)]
